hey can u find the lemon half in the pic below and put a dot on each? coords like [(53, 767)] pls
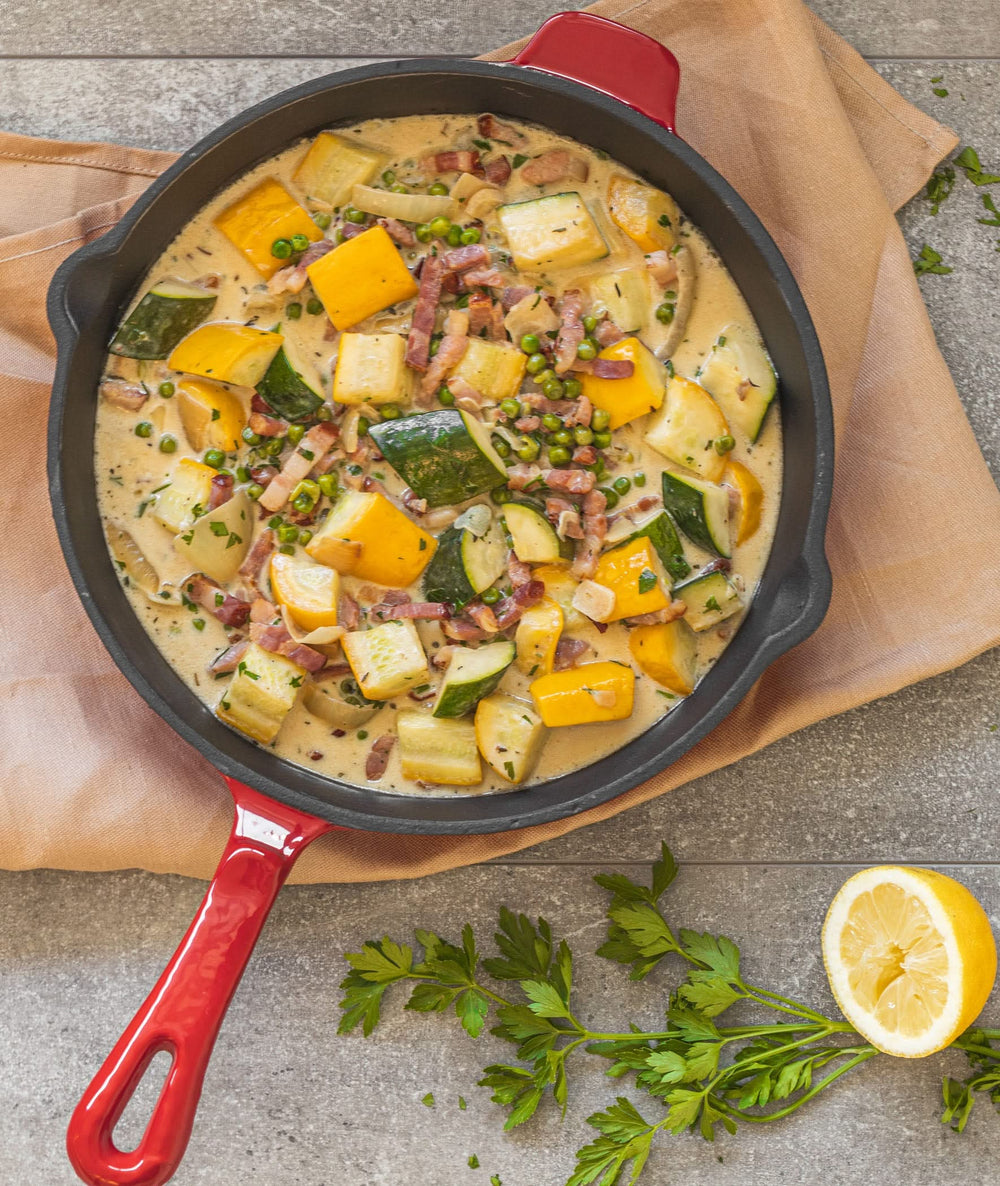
[(910, 956)]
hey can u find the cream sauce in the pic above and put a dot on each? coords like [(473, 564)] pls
[(131, 468)]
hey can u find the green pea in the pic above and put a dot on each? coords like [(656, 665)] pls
[(639, 479), (622, 485), (665, 312), (546, 376), (526, 408), (510, 408), (536, 364), (215, 458), (322, 220), (434, 347), (313, 306), (439, 227), (324, 413), (501, 446), (275, 521), (255, 490), (166, 389), (489, 596), (363, 426), (399, 188), (572, 388), (589, 324), (299, 242), (273, 446), (438, 188), (553, 388), (293, 311), (586, 350), (471, 235), (250, 437), (388, 177), (352, 214), (559, 455), (423, 232), (295, 433), (530, 344), (602, 439), (499, 495), (288, 533), (455, 236), (390, 411), (328, 485), (338, 237), (611, 496), (529, 449), (168, 444), (242, 474), (445, 397), (144, 429), (281, 248), (563, 437), (600, 419), (582, 435), (303, 504), (287, 549), (305, 535), (551, 422), (725, 445)]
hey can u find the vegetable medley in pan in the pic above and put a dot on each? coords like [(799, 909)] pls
[(436, 453)]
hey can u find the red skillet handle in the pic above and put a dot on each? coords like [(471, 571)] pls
[(183, 1013), (608, 57)]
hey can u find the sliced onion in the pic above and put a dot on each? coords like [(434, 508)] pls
[(127, 552), (405, 207)]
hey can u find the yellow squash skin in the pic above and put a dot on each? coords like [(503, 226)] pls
[(254, 221), (666, 653), (751, 499), (565, 697), (621, 570), (394, 550), (361, 277), (627, 399), (648, 216), (212, 416), (307, 590), (227, 352)]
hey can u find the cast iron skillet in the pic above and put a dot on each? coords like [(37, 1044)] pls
[(582, 76)]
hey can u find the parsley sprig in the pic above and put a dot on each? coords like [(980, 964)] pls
[(697, 1073)]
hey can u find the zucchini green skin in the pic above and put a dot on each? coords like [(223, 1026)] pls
[(686, 507), (438, 457), (159, 321), (445, 578), (534, 538), (662, 534), (459, 697), (285, 391), (697, 593)]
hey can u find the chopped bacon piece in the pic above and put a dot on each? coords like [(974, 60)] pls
[(496, 329), (454, 283), (229, 659), (257, 557), (568, 650), (565, 517), (466, 396), (558, 164), (480, 312), (605, 368), (523, 597), (571, 481), (453, 346), (378, 756), (580, 414), (460, 259), (595, 528), (541, 403), (305, 656), (514, 294), (521, 476), (442, 656), (462, 161), (262, 474), (607, 333), (585, 455), (332, 671), (485, 278), (418, 611), (415, 505), (267, 426), (348, 612), (490, 128), (424, 311), (293, 278), (497, 171), (662, 267), (350, 230), (401, 235), (264, 612), (483, 616), (317, 442), (121, 394), (231, 611), (670, 613), (518, 571), (221, 491), (571, 331), (463, 631), (528, 423)]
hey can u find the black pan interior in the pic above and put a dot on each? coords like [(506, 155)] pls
[(93, 286)]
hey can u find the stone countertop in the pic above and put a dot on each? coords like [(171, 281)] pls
[(764, 844)]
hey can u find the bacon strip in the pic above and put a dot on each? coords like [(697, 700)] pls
[(570, 481), (466, 396), (419, 611), (401, 235), (483, 616), (595, 528), (571, 332), (585, 455), (480, 312), (605, 368), (350, 230), (257, 557), (485, 278), (277, 640), (229, 659), (348, 612), (378, 756), (462, 631), (607, 333), (580, 414), (262, 474), (568, 650), (422, 323), (556, 165), (317, 442), (521, 476), (490, 128), (510, 296), (662, 267), (293, 278), (565, 517), (453, 346), (497, 171), (231, 611), (121, 394), (462, 161), (267, 426), (523, 597), (460, 259), (518, 571), (221, 491)]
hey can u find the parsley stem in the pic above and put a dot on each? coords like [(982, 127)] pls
[(864, 1053), (785, 1006)]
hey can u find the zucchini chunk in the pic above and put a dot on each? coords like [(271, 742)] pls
[(585, 695), (333, 166), (659, 529), (510, 736), (261, 694), (739, 374), (186, 496), (471, 675), (290, 386), (371, 369), (700, 510), (361, 277), (623, 295), (710, 598), (648, 216), (667, 653), (494, 369), (537, 637), (626, 399), (444, 456), (167, 313), (438, 750), (268, 212), (688, 428), (464, 565), (211, 415), (556, 231), (533, 537), (636, 576), (227, 352), (405, 207), (218, 542), (393, 550), (386, 660)]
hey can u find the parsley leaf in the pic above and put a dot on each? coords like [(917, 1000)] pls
[(990, 208), (968, 161), (929, 260), (939, 187)]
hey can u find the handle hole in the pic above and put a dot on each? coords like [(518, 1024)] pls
[(134, 1121)]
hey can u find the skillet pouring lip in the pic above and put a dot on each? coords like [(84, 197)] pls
[(91, 288)]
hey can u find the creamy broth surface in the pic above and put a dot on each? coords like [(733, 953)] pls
[(131, 468)]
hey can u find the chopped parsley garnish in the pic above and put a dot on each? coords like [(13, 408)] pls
[(713, 604), (647, 580), (519, 160), (218, 528), (509, 768), (428, 1100), (929, 260), (939, 187), (296, 681), (198, 623), (968, 161), (990, 207)]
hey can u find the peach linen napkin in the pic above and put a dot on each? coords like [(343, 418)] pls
[(824, 150)]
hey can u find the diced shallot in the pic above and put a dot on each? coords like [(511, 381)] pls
[(595, 601)]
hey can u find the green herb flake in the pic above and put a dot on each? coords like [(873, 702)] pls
[(509, 768), (968, 161), (939, 187), (216, 413), (647, 580), (461, 1103), (218, 528), (422, 545), (713, 605), (929, 260), (428, 1100), (198, 623), (941, 92), (473, 1162), (518, 160), (990, 207), (233, 540), (296, 681)]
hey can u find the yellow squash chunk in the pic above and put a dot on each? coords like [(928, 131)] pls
[(267, 212), (361, 277), (438, 749), (666, 652), (537, 636), (190, 486), (510, 736), (687, 429), (371, 369), (585, 695), (332, 167), (261, 693), (560, 586), (227, 352), (394, 550), (648, 216), (212, 416), (751, 498), (635, 573), (627, 399), (309, 591), (386, 660), (494, 369)]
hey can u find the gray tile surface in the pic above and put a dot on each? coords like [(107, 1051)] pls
[(912, 777)]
